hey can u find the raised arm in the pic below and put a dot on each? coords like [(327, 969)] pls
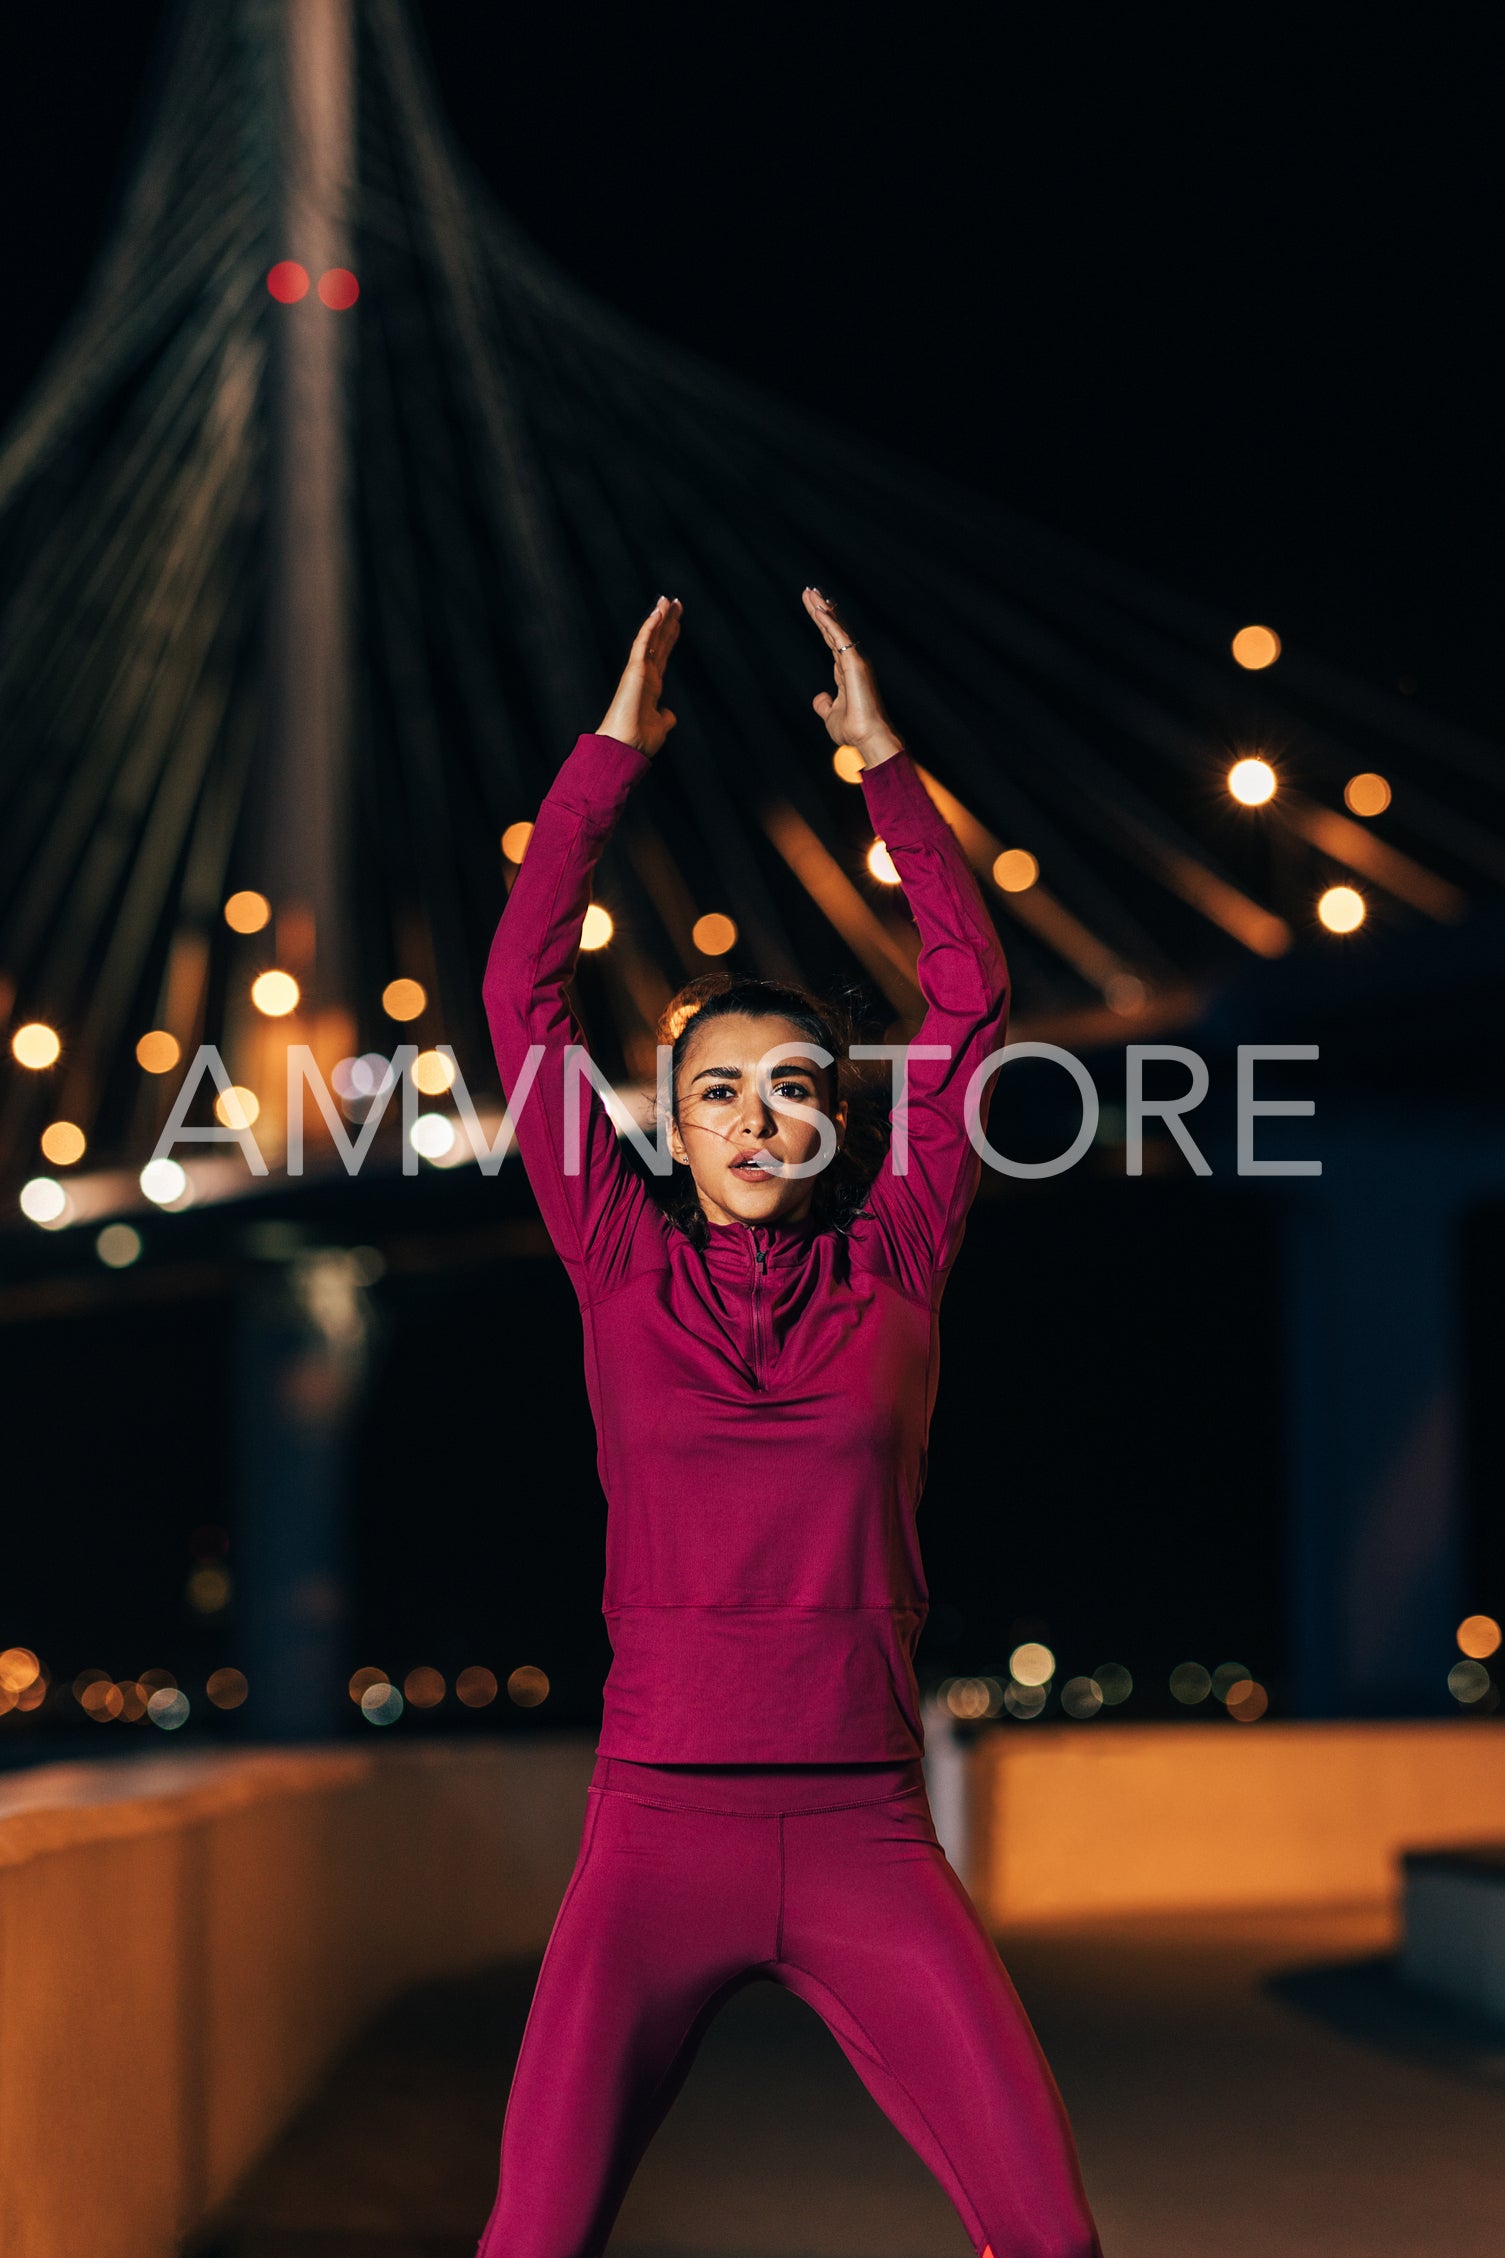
[(963, 976), (591, 1213)]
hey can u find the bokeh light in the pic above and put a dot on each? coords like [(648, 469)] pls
[(237, 1107), (1190, 1683), (361, 1681), (713, 934), (158, 1052), (1367, 794), (475, 1687), (1256, 648), (881, 864), (381, 1704), (63, 1143), (1032, 1664), (1116, 1682), (1015, 870), (1252, 782), (515, 840), (168, 1707), (597, 929), (847, 762), (248, 911), (227, 1689), (163, 1181), (288, 282), (118, 1246), (1228, 1675), (208, 1589), (275, 994), (433, 1073), (1081, 1697), (19, 1668), (432, 1135), (424, 1688), (1469, 1682), (43, 1200), (35, 1045), (527, 1686), (1023, 1702), (1341, 909), (339, 289), (1247, 1701), (1479, 1637), (404, 999)]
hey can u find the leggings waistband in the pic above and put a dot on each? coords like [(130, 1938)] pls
[(759, 1790)]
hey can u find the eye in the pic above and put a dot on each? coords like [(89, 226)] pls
[(717, 1090), (795, 1089)]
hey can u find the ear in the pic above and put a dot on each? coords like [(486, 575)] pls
[(677, 1143), (839, 1119)]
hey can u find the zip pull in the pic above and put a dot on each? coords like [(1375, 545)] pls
[(760, 1257)]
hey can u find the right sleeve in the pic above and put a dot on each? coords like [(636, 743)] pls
[(592, 1216)]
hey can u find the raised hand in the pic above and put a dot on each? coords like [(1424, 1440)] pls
[(855, 715), (635, 716)]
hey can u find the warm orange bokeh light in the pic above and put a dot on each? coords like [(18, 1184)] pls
[(713, 934), (881, 864), (1247, 1701), (275, 993), (433, 1073), (476, 1687), (1016, 870), (1252, 782), (424, 1687), (35, 1045), (1368, 794), (847, 762), (528, 1686), (1478, 1637), (158, 1052), (227, 1689), (237, 1107), (247, 912), (362, 1681), (404, 999), (1341, 909), (1256, 648), (63, 1143), (515, 840), (339, 289), (597, 929), (19, 1668)]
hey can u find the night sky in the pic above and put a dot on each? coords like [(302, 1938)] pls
[(1214, 293)]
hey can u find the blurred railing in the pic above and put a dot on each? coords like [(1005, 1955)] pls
[(185, 1945), (1076, 1821)]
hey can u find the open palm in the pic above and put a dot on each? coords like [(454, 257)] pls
[(636, 716)]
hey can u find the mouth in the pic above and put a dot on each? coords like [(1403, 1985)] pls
[(748, 1167)]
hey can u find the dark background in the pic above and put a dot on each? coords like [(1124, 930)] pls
[(1215, 295)]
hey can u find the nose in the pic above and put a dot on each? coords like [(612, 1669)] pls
[(757, 1119)]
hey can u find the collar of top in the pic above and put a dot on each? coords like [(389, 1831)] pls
[(751, 1246)]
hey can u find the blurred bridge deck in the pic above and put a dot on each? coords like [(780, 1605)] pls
[(1252, 2082)]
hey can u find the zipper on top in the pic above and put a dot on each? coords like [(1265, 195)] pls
[(760, 1266)]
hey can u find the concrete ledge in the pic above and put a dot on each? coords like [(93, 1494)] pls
[(1453, 1941), (1073, 1821), (185, 1944)]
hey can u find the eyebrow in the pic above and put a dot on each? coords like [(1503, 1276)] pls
[(734, 1073)]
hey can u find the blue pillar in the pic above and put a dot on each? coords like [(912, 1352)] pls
[(1378, 1527)]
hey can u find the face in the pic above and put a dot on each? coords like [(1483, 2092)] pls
[(722, 1119)]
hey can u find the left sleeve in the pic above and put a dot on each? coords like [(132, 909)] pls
[(964, 980)]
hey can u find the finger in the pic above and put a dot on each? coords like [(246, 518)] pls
[(668, 719), (823, 702), (644, 636), (816, 605)]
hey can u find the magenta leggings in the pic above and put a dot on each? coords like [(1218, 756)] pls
[(695, 1880)]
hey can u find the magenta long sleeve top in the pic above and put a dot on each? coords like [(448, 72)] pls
[(762, 1406)]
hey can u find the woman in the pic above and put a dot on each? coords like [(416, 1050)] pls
[(762, 1383)]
